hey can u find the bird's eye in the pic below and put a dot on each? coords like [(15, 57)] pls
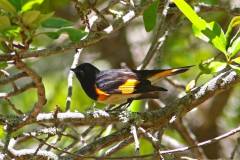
[(81, 73)]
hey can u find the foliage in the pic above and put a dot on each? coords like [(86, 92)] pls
[(32, 30)]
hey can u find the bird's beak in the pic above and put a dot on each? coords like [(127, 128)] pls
[(72, 69)]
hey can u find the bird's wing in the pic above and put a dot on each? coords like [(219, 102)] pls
[(119, 81), (123, 81)]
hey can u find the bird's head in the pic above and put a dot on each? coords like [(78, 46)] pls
[(85, 72)]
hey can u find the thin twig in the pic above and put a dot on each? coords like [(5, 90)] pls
[(207, 142), (155, 142), (40, 90), (70, 78), (23, 152), (104, 141), (175, 83), (235, 149), (189, 137), (178, 107), (12, 78), (4, 81), (183, 149), (136, 140), (18, 91), (13, 106), (90, 40), (159, 37), (181, 106), (117, 147)]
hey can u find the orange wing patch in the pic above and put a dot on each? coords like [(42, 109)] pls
[(101, 94), (129, 86)]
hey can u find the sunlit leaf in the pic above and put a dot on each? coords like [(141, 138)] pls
[(209, 32), (187, 10), (236, 60), (212, 34), (236, 68), (216, 35), (11, 32), (135, 106), (30, 4), (7, 6), (2, 132), (212, 67), (147, 147), (217, 66), (198, 33), (56, 23), (150, 16), (30, 17), (234, 48), (4, 22), (234, 22), (190, 85)]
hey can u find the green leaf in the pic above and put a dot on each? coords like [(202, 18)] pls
[(209, 32), (75, 35), (2, 132), (56, 23), (17, 4), (4, 22), (3, 46), (191, 14), (214, 35), (236, 68), (30, 4), (53, 35), (150, 16), (212, 67), (7, 6), (234, 48), (234, 22), (190, 85), (11, 32), (217, 66), (136, 106), (30, 17), (43, 17), (3, 65), (217, 36), (236, 60), (198, 33)]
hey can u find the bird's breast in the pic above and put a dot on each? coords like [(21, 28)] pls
[(116, 98)]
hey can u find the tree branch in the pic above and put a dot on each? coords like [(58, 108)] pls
[(18, 90), (40, 90), (12, 78), (90, 40)]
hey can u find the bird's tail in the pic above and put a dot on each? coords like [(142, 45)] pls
[(167, 72)]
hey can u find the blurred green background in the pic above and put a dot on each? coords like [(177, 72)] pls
[(129, 45)]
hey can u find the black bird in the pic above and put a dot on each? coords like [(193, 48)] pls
[(116, 86)]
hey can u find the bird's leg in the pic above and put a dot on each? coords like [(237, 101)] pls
[(92, 108), (108, 107), (128, 103), (123, 106)]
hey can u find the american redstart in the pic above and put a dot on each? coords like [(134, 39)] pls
[(116, 86)]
